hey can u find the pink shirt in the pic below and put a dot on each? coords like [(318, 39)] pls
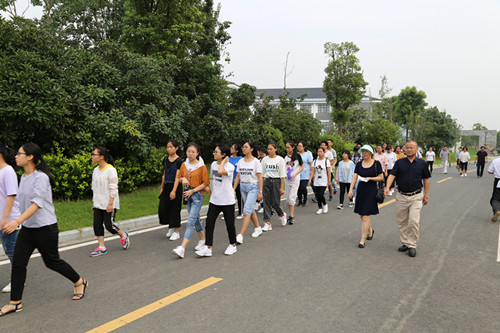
[(382, 159)]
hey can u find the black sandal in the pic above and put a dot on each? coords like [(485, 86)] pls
[(16, 309), (80, 295)]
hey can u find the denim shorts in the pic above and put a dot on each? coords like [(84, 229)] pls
[(249, 193)]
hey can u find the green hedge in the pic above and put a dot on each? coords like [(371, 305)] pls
[(73, 174)]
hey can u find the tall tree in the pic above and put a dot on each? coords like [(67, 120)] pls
[(385, 108), (479, 127), (410, 105), (344, 84)]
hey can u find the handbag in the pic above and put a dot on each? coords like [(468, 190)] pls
[(380, 196)]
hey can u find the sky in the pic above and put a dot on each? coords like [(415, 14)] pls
[(448, 49)]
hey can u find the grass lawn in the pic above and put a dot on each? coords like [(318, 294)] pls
[(141, 202)]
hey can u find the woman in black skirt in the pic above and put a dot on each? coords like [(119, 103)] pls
[(169, 210), (369, 172)]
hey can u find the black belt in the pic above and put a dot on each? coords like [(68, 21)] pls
[(409, 194)]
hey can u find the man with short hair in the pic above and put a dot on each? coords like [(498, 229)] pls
[(411, 174), (494, 169), (481, 159), (444, 154)]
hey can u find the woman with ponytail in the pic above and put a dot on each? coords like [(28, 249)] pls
[(294, 167), (9, 205), (105, 200), (39, 227)]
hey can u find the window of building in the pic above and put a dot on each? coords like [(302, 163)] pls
[(323, 108), (306, 106)]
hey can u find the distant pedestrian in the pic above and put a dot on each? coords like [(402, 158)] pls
[(412, 175), (194, 176), (307, 160), (391, 159), (481, 159), (430, 156), (345, 172), (321, 173), (332, 160), (464, 161), (39, 228), (382, 158), (221, 200), (334, 164), (9, 203), (457, 158), (399, 152), (169, 209), (444, 154), (294, 167), (356, 156), (369, 172), (234, 159), (105, 200), (494, 169)]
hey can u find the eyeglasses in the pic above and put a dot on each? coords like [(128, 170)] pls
[(20, 153), (216, 152), (95, 154)]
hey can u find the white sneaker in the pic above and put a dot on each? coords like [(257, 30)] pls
[(175, 236), (230, 250), (465, 175), (283, 219), (205, 251), (267, 227), (341, 206), (169, 232), (391, 192), (239, 238), (201, 243), (325, 208), (179, 250), (260, 211), (320, 211), (256, 233), (256, 206), (239, 217), (6, 289), (461, 175), (351, 204)]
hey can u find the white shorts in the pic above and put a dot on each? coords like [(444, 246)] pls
[(291, 192)]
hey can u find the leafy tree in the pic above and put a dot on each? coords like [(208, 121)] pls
[(386, 107), (380, 130), (344, 84), (442, 130), (355, 128), (410, 105), (479, 127)]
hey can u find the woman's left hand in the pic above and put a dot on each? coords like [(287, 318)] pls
[(10, 227), (187, 194), (282, 191), (259, 197)]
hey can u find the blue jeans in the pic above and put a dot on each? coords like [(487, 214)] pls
[(9, 243), (249, 193), (193, 206)]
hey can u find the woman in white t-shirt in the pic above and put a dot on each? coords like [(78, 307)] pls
[(430, 157), (249, 179), (321, 173), (294, 167), (464, 158), (9, 205), (105, 200), (221, 200)]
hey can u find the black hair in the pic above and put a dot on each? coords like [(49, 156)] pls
[(192, 144), (356, 148), (262, 150), (303, 144), (237, 147), (224, 150), (326, 143), (465, 147), (254, 147), (295, 155), (388, 147), (9, 155), (107, 156), (380, 145), (175, 143), (348, 153), (32, 149), (481, 146), (274, 144), (322, 149)]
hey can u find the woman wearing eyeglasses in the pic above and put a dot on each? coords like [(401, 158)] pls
[(39, 227), (105, 200)]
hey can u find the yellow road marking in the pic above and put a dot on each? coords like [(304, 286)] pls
[(443, 180), (144, 311), (386, 203)]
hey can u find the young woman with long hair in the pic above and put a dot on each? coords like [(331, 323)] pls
[(194, 176), (464, 158), (345, 171), (169, 209), (234, 159), (39, 227), (249, 178), (274, 171), (321, 173), (294, 167), (221, 200), (105, 200), (305, 174), (9, 205)]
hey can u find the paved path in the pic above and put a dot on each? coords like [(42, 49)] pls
[(309, 277)]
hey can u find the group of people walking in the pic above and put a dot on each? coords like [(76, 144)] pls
[(259, 175)]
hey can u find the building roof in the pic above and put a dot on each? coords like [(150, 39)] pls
[(312, 93)]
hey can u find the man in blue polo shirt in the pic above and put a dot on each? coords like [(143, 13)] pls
[(412, 175)]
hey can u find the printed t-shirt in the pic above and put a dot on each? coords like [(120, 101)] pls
[(320, 171), (291, 169), (222, 185), (249, 170), (273, 167)]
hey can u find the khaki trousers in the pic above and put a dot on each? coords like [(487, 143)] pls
[(408, 216)]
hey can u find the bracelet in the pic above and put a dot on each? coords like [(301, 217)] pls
[(110, 203), (17, 222)]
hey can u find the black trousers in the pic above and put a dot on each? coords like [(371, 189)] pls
[(480, 169), (495, 196), (429, 165), (344, 187), (302, 192), (320, 195), (463, 166), (100, 216), (272, 197), (169, 211), (212, 214), (45, 239), (238, 199)]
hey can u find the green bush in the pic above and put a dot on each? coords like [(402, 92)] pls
[(73, 174)]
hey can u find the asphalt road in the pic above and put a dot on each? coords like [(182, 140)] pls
[(309, 277)]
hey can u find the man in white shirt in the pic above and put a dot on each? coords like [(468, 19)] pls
[(391, 159), (332, 159), (495, 197)]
